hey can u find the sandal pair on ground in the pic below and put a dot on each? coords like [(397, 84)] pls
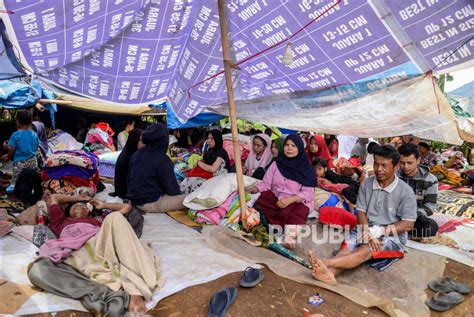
[(222, 299), (448, 294)]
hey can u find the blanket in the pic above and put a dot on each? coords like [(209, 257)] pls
[(173, 242), (455, 204), (215, 191), (73, 237)]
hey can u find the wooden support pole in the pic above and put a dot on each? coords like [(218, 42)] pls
[(56, 101), (232, 113)]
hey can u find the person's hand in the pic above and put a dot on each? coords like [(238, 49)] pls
[(284, 202), (5, 157), (97, 204), (324, 181), (83, 198), (5, 145), (375, 243), (252, 190)]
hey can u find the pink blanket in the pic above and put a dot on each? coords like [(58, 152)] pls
[(73, 237)]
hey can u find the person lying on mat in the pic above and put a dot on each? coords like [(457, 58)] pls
[(79, 212), (386, 211), (288, 189), (424, 185), (114, 257)]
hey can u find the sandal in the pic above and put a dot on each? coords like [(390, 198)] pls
[(446, 285), (247, 237), (221, 301), (251, 277), (444, 301)]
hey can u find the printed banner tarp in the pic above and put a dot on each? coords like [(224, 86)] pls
[(138, 52)]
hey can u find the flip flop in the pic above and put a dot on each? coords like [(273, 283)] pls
[(447, 285), (251, 277), (247, 237), (444, 301), (221, 301)]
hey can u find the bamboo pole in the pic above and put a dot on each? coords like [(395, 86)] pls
[(56, 101), (232, 113)]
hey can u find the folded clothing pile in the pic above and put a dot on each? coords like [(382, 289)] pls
[(66, 170), (99, 140), (59, 141), (227, 214)]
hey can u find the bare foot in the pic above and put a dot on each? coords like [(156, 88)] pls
[(320, 271), (137, 304)]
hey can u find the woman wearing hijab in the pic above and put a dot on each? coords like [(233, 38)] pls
[(123, 162), (287, 190), (318, 148), (219, 167), (259, 157), (152, 185), (332, 144)]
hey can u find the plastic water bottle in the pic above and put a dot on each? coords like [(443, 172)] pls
[(41, 218)]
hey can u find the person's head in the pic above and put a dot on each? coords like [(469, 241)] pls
[(156, 136), (214, 139), (209, 157), (424, 148), (23, 118), (129, 126), (276, 148), (293, 146), (372, 147), (80, 210), (81, 123), (386, 159), (259, 144), (409, 158), (320, 166), (133, 140), (407, 138), (313, 145), (396, 142), (268, 132)]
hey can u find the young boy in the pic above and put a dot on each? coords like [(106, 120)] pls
[(22, 145)]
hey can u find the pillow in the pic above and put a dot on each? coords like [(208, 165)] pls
[(337, 217)]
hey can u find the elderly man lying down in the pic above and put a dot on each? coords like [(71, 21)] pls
[(386, 211), (106, 254)]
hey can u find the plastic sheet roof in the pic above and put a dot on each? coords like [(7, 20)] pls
[(138, 52)]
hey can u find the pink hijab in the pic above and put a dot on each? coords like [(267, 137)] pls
[(252, 163)]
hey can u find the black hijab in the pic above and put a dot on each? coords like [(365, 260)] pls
[(298, 168), (218, 149), (156, 136), (123, 162)]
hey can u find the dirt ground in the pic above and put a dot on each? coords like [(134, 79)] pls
[(277, 296)]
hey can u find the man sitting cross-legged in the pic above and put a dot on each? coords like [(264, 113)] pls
[(386, 211)]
